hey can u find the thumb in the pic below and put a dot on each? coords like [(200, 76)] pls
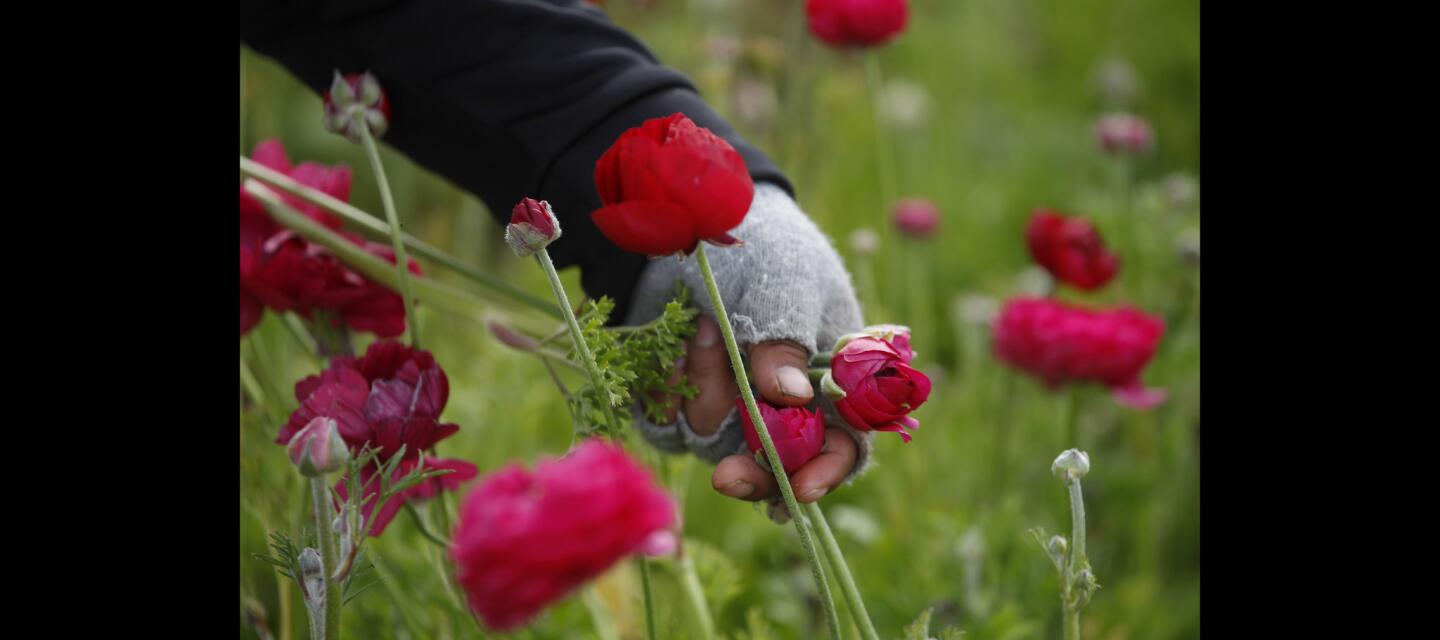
[(780, 374)]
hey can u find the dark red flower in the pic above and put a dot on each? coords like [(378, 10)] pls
[(1062, 344), (881, 388), (392, 396), (282, 271), (917, 217), (1070, 249), (798, 434), (525, 539), (533, 226), (856, 23), (668, 184)]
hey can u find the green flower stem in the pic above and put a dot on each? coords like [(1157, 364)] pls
[(330, 556), (690, 580), (378, 229), (842, 573), (402, 259), (598, 381), (782, 479), (587, 358), (599, 615), (438, 295), (1078, 560), (649, 598)]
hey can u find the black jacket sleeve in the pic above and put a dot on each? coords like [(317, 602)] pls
[(505, 98)]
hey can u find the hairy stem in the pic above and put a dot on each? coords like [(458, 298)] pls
[(782, 479)]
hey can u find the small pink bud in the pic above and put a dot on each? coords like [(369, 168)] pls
[(352, 93), (532, 227), (917, 217), (318, 449), (1123, 133), (512, 338)]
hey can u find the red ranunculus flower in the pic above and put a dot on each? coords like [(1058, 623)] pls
[(526, 539), (391, 396), (668, 184), (856, 23), (881, 388), (1063, 344), (1070, 249), (284, 272), (917, 217), (798, 434)]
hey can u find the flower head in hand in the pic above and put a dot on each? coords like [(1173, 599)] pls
[(669, 184)]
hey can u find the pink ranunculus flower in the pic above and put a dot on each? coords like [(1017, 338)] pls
[(527, 538), (873, 370), (1062, 344), (391, 396), (798, 434), (917, 217)]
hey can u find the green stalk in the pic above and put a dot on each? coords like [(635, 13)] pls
[(598, 382), (873, 86), (596, 379), (378, 229), (817, 570), (649, 598), (599, 615), (402, 260), (842, 572), (331, 558)]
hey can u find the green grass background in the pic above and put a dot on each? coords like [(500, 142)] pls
[(941, 522)]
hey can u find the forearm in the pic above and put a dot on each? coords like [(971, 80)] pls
[(505, 98)]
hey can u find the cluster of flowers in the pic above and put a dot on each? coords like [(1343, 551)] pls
[(1060, 343), (527, 538), (282, 271)]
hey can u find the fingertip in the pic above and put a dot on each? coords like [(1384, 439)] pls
[(826, 471), (781, 373), (739, 477)]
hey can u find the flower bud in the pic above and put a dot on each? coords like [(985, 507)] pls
[(1072, 464), (356, 93), (864, 241), (511, 338), (917, 217), (318, 448), (310, 564), (1058, 547), (532, 227)]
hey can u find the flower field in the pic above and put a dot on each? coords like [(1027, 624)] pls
[(1016, 182)]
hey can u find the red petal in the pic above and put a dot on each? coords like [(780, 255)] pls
[(649, 228)]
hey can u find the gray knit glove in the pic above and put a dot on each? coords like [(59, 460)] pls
[(785, 283)]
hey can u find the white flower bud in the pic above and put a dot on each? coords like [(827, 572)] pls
[(1072, 464)]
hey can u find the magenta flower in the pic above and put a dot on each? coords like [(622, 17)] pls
[(392, 396), (798, 434), (526, 539)]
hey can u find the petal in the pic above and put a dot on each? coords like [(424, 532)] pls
[(649, 228)]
